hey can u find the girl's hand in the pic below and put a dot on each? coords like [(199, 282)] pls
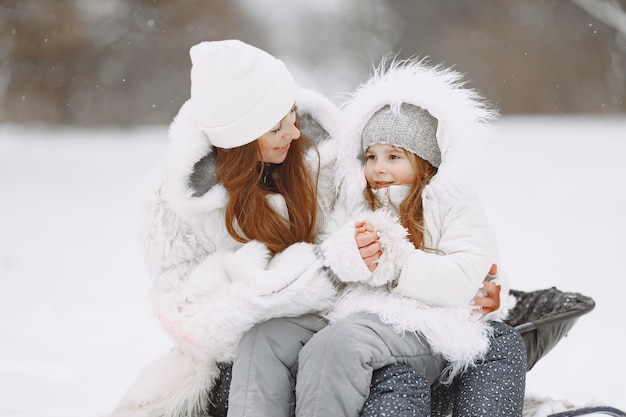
[(367, 241)]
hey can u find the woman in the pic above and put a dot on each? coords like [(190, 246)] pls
[(230, 222)]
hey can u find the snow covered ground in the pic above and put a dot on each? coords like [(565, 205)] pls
[(74, 317)]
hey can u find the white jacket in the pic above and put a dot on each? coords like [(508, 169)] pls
[(209, 289), (411, 289)]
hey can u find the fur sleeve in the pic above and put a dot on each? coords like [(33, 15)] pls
[(395, 247), (207, 307), (342, 256)]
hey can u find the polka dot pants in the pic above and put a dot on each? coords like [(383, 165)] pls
[(495, 387)]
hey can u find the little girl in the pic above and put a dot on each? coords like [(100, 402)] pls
[(405, 139)]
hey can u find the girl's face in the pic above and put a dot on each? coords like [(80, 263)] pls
[(387, 165), (275, 144)]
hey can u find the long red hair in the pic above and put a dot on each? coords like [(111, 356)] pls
[(249, 215)]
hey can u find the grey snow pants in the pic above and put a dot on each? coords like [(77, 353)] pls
[(334, 369)]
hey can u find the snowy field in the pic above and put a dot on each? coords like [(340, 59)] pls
[(74, 317)]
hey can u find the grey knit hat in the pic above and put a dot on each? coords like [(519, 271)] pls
[(412, 128)]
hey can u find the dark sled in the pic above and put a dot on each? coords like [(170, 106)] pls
[(544, 317)]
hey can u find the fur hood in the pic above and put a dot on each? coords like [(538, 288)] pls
[(462, 114)]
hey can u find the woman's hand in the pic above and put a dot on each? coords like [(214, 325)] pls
[(490, 301), (368, 244), (488, 298)]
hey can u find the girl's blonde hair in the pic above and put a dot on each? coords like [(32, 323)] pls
[(411, 208), (249, 215)]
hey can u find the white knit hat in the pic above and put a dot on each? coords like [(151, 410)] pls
[(238, 92)]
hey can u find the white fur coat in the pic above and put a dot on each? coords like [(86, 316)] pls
[(208, 289), (414, 290)]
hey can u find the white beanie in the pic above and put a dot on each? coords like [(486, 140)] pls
[(238, 92)]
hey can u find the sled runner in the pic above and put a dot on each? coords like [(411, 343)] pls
[(598, 411)]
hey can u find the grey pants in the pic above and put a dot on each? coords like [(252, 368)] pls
[(265, 367), (334, 368)]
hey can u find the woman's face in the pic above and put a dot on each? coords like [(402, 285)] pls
[(275, 144)]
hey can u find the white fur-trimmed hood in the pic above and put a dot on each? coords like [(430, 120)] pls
[(190, 184), (463, 123)]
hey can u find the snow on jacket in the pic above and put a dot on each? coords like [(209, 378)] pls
[(209, 289), (412, 289)]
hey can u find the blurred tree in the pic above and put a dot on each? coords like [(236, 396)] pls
[(44, 61), (126, 62), (89, 62), (612, 14), (528, 56)]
